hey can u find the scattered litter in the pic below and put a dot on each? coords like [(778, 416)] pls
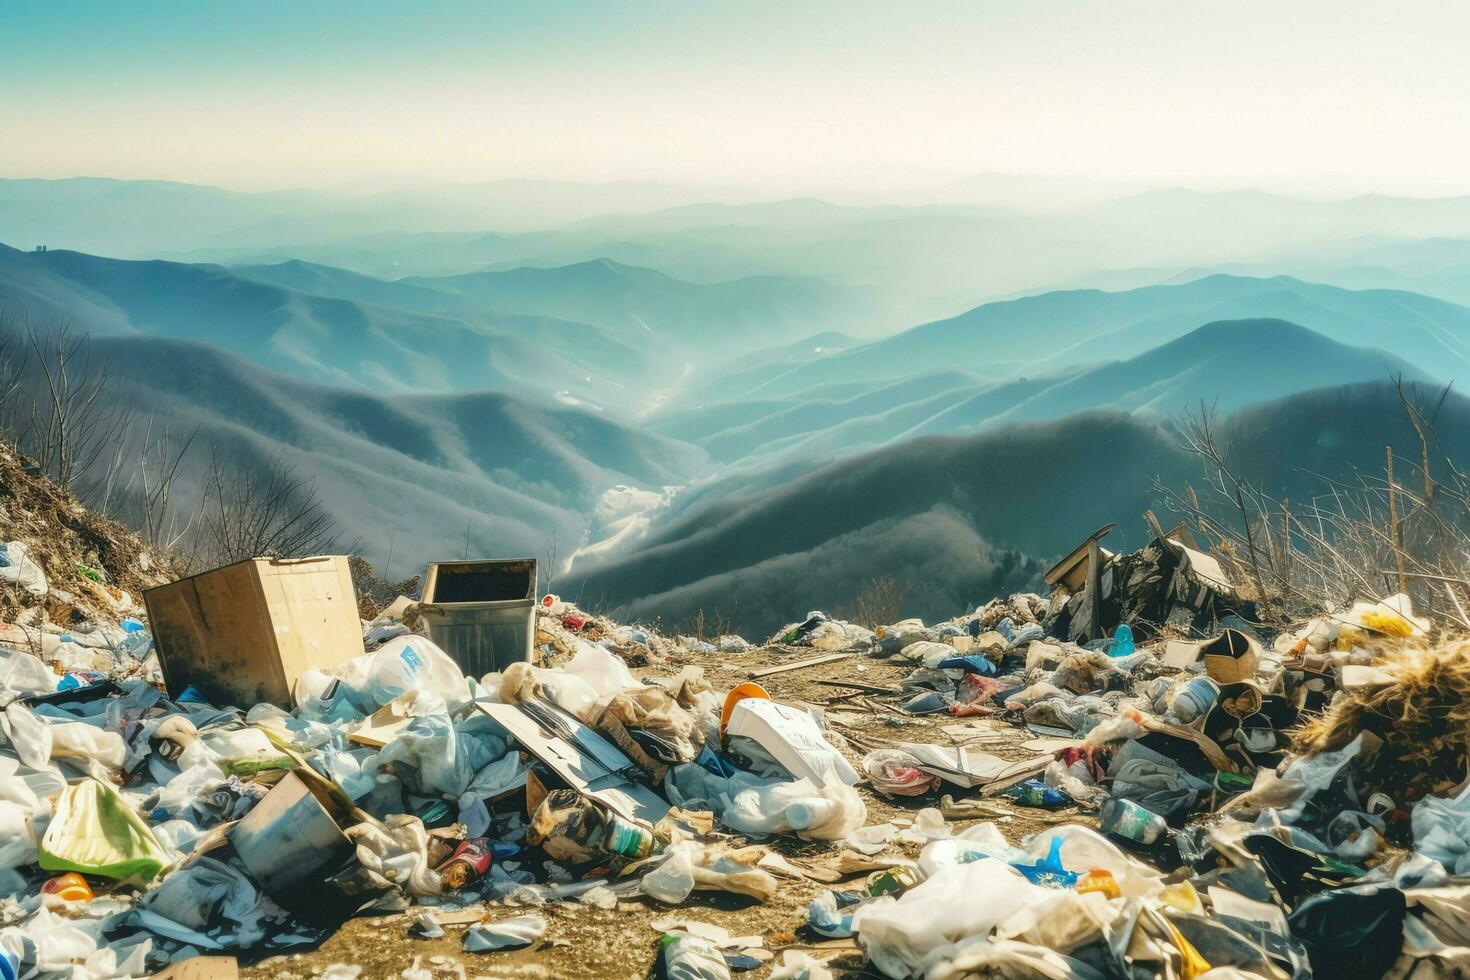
[(1214, 794)]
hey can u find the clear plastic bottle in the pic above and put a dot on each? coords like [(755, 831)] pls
[(1130, 821), (692, 958), (811, 811)]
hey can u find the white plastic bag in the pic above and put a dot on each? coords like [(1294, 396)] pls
[(80, 741), (955, 903), (24, 674), (673, 880), (396, 854), (17, 566), (29, 735), (523, 930), (17, 836), (1084, 848), (600, 668)]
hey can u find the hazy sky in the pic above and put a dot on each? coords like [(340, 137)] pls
[(1306, 95)]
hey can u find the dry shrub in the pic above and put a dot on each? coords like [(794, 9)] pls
[(880, 602)]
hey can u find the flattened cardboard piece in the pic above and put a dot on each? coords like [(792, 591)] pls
[(381, 727), (793, 738), (1179, 654), (589, 763), (968, 767)]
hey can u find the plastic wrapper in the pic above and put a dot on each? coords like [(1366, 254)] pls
[(95, 832), (894, 772)]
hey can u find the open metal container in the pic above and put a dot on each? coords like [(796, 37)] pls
[(481, 613)]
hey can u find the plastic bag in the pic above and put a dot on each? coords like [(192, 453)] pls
[(898, 934), (209, 904), (1442, 830), (25, 674), (96, 833), (604, 671), (78, 740), (523, 930), (395, 854), (17, 836), (1083, 849), (30, 737), (569, 691), (691, 865), (673, 880), (244, 751), (17, 566), (894, 772), (413, 663), (433, 756)]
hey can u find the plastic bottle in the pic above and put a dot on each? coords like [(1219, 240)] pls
[(1131, 821), (691, 958), (1122, 642), (810, 812), (623, 838), (1194, 699), (470, 862), (1033, 792)]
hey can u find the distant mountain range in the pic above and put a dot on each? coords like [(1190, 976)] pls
[(1043, 334), (1228, 364), (598, 333), (957, 520), (924, 261), (423, 475)]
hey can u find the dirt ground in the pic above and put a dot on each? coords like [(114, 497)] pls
[(583, 941)]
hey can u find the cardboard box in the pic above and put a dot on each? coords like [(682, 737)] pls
[(1231, 657), (244, 633)]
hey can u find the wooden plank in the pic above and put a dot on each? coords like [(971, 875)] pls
[(813, 662), (201, 968), (864, 688)]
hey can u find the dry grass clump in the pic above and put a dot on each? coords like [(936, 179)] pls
[(1423, 718)]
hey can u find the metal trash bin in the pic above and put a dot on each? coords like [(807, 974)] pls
[(481, 613)]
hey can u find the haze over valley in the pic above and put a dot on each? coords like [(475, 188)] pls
[(699, 353)]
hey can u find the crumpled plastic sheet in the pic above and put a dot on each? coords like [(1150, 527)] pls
[(17, 566), (209, 904), (522, 930), (506, 773), (396, 855), (49, 943), (691, 865), (898, 934), (436, 757), (753, 805), (1442, 830)]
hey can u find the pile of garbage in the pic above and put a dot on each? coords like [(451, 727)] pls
[(1234, 800)]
